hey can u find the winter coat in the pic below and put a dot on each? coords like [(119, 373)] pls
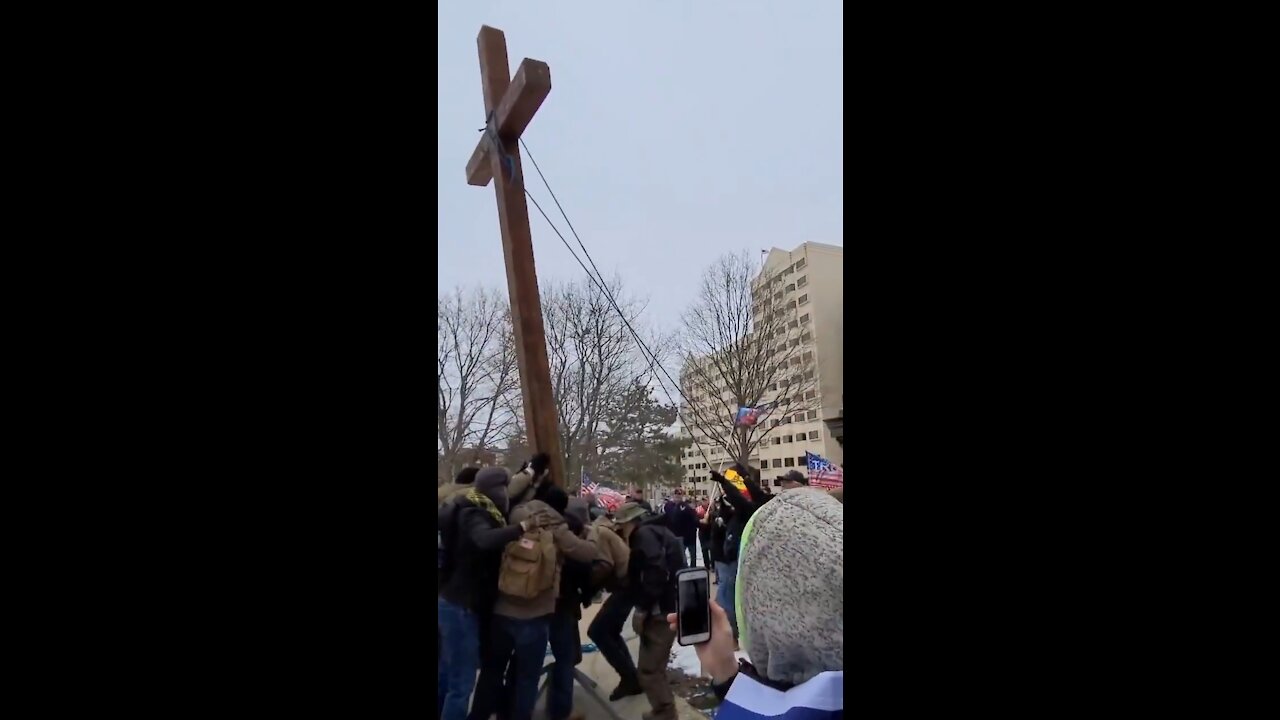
[(474, 539), (656, 556), (743, 509), (748, 696), (615, 552), (683, 521), (568, 547)]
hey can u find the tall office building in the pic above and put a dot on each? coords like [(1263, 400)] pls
[(806, 285)]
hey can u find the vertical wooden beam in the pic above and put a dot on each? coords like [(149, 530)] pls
[(522, 279)]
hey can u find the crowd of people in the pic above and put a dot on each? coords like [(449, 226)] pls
[(518, 561)]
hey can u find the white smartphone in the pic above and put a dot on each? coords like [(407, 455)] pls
[(693, 593)]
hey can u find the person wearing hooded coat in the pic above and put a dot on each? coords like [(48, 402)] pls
[(474, 529), (521, 626), (790, 597)]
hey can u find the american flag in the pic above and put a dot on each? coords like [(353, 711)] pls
[(607, 498), (822, 473)]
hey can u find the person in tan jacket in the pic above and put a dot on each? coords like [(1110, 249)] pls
[(521, 626)]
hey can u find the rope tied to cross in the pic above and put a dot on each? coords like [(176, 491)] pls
[(508, 163)]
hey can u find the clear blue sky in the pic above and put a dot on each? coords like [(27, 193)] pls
[(675, 131)]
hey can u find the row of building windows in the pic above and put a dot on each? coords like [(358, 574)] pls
[(774, 463), (778, 440)]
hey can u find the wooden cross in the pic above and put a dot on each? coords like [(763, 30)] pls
[(509, 105)]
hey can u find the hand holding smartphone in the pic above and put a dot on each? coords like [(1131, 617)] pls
[(693, 616)]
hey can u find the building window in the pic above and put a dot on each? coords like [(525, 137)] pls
[(788, 462), (810, 395), (801, 461), (774, 423), (786, 438), (795, 342), (808, 375), (807, 357), (805, 338), (813, 434), (800, 417), (813, 414), (804, 299), (802, 281), (804, 318), (791, 287), (793, 324), (777, 441), (777, 482), (800, 264), (777, 462)]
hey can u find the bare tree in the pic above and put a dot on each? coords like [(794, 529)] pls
[(741, 348), (598, 372), (475, 374)]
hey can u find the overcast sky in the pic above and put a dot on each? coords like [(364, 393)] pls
[(675, 131)]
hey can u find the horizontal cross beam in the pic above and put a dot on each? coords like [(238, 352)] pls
[(523, 97)]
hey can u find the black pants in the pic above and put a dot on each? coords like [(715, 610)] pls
[(706, 553), (606, 632), (691, 547)]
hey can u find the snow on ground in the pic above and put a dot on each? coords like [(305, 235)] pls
[(685, 657)]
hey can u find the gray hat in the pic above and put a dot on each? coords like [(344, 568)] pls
[(790, 593), (628, 512), (492, 483)]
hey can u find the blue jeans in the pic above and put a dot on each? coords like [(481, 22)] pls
[(460, 632), (525, 643), (565, 646), (725, 591)]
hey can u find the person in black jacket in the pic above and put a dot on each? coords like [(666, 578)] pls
[(744, 506), (474, 531), (721, 516), (656, 556), (683, 521)]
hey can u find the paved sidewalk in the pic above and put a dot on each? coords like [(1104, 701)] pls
[(594, 666)]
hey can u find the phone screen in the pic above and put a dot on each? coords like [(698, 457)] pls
[(695, 610)]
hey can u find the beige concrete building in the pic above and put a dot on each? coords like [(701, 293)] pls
[(807, 285)]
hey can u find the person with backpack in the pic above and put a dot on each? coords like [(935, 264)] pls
[(473, 532), (528, 583), (656, 556), (605, 629)]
